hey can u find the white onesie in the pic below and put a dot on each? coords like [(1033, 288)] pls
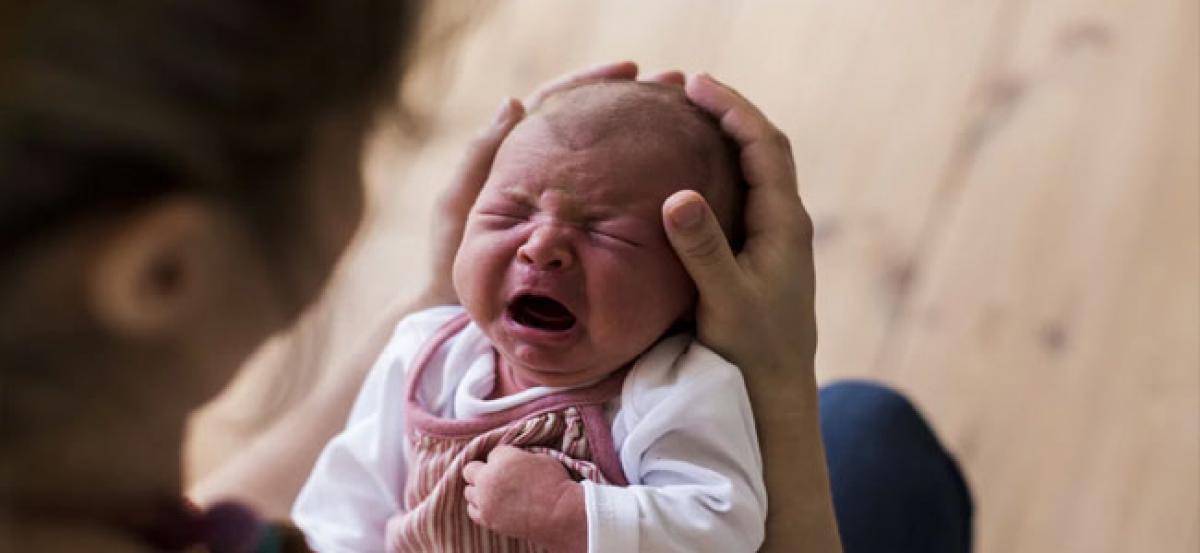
[(682, 428)]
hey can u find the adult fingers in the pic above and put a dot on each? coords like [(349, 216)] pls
[(696, 236), (477, 163), (766, 152), (617, 70), (471, 494), (739, 118), (672, 77)]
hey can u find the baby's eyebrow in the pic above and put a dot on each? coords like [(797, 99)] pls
[(577, 210), (592, 214), (518, 196)]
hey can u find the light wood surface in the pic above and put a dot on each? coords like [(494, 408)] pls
[(1007, 202)]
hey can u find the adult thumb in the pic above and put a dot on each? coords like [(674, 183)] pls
[(697, 239)]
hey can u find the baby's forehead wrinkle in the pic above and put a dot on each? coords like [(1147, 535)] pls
[(573, 203), (633, 113)]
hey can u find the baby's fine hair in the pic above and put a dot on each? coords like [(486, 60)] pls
[(644, 111)]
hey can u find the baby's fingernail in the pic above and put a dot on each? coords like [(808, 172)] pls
[(687, 215), (504, 113)]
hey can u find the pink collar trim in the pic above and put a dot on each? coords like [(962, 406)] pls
[(421, 419)]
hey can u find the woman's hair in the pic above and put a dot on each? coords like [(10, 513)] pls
[(108, 104)]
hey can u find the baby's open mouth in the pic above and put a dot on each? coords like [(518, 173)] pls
[(541, 312)]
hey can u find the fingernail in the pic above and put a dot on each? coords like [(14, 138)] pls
[(688, 215), (504, 112)]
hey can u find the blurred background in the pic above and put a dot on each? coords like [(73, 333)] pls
[(1007, 204)]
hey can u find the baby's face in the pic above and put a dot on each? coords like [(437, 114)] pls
[(565, 264)]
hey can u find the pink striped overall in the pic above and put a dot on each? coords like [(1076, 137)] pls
[(570, 426)]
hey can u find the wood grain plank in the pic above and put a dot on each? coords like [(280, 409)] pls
[(1053, 331)]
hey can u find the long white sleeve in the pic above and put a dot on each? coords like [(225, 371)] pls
[(687, 442), (357, 482)]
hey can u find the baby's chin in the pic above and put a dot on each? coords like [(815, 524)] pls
[(574, 362), (557, 371)]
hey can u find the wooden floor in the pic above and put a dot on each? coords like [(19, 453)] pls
[(1007, 202)]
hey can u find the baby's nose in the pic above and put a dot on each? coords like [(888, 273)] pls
[(547, 249)]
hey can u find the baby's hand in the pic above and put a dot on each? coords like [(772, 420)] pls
[(528, 496)]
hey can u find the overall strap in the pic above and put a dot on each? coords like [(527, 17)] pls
[(600, 441), (431, 347)]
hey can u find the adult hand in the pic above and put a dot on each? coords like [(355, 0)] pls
[(755, 308), (455, 202)]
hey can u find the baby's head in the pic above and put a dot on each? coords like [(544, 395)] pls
[(565, 264)]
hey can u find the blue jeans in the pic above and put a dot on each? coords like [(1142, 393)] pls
[(895, 489)]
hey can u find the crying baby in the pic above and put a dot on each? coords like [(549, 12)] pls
[(564, 406)]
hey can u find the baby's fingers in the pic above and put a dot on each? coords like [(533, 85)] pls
[(470, 472), (479, 507), (476, 515)]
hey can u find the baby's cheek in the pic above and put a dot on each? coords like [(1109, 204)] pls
[(677, 290), (479, 270), (658, 299)]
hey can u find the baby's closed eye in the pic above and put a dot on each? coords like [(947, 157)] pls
[(499, 214), (623, 233), (503, 214)]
